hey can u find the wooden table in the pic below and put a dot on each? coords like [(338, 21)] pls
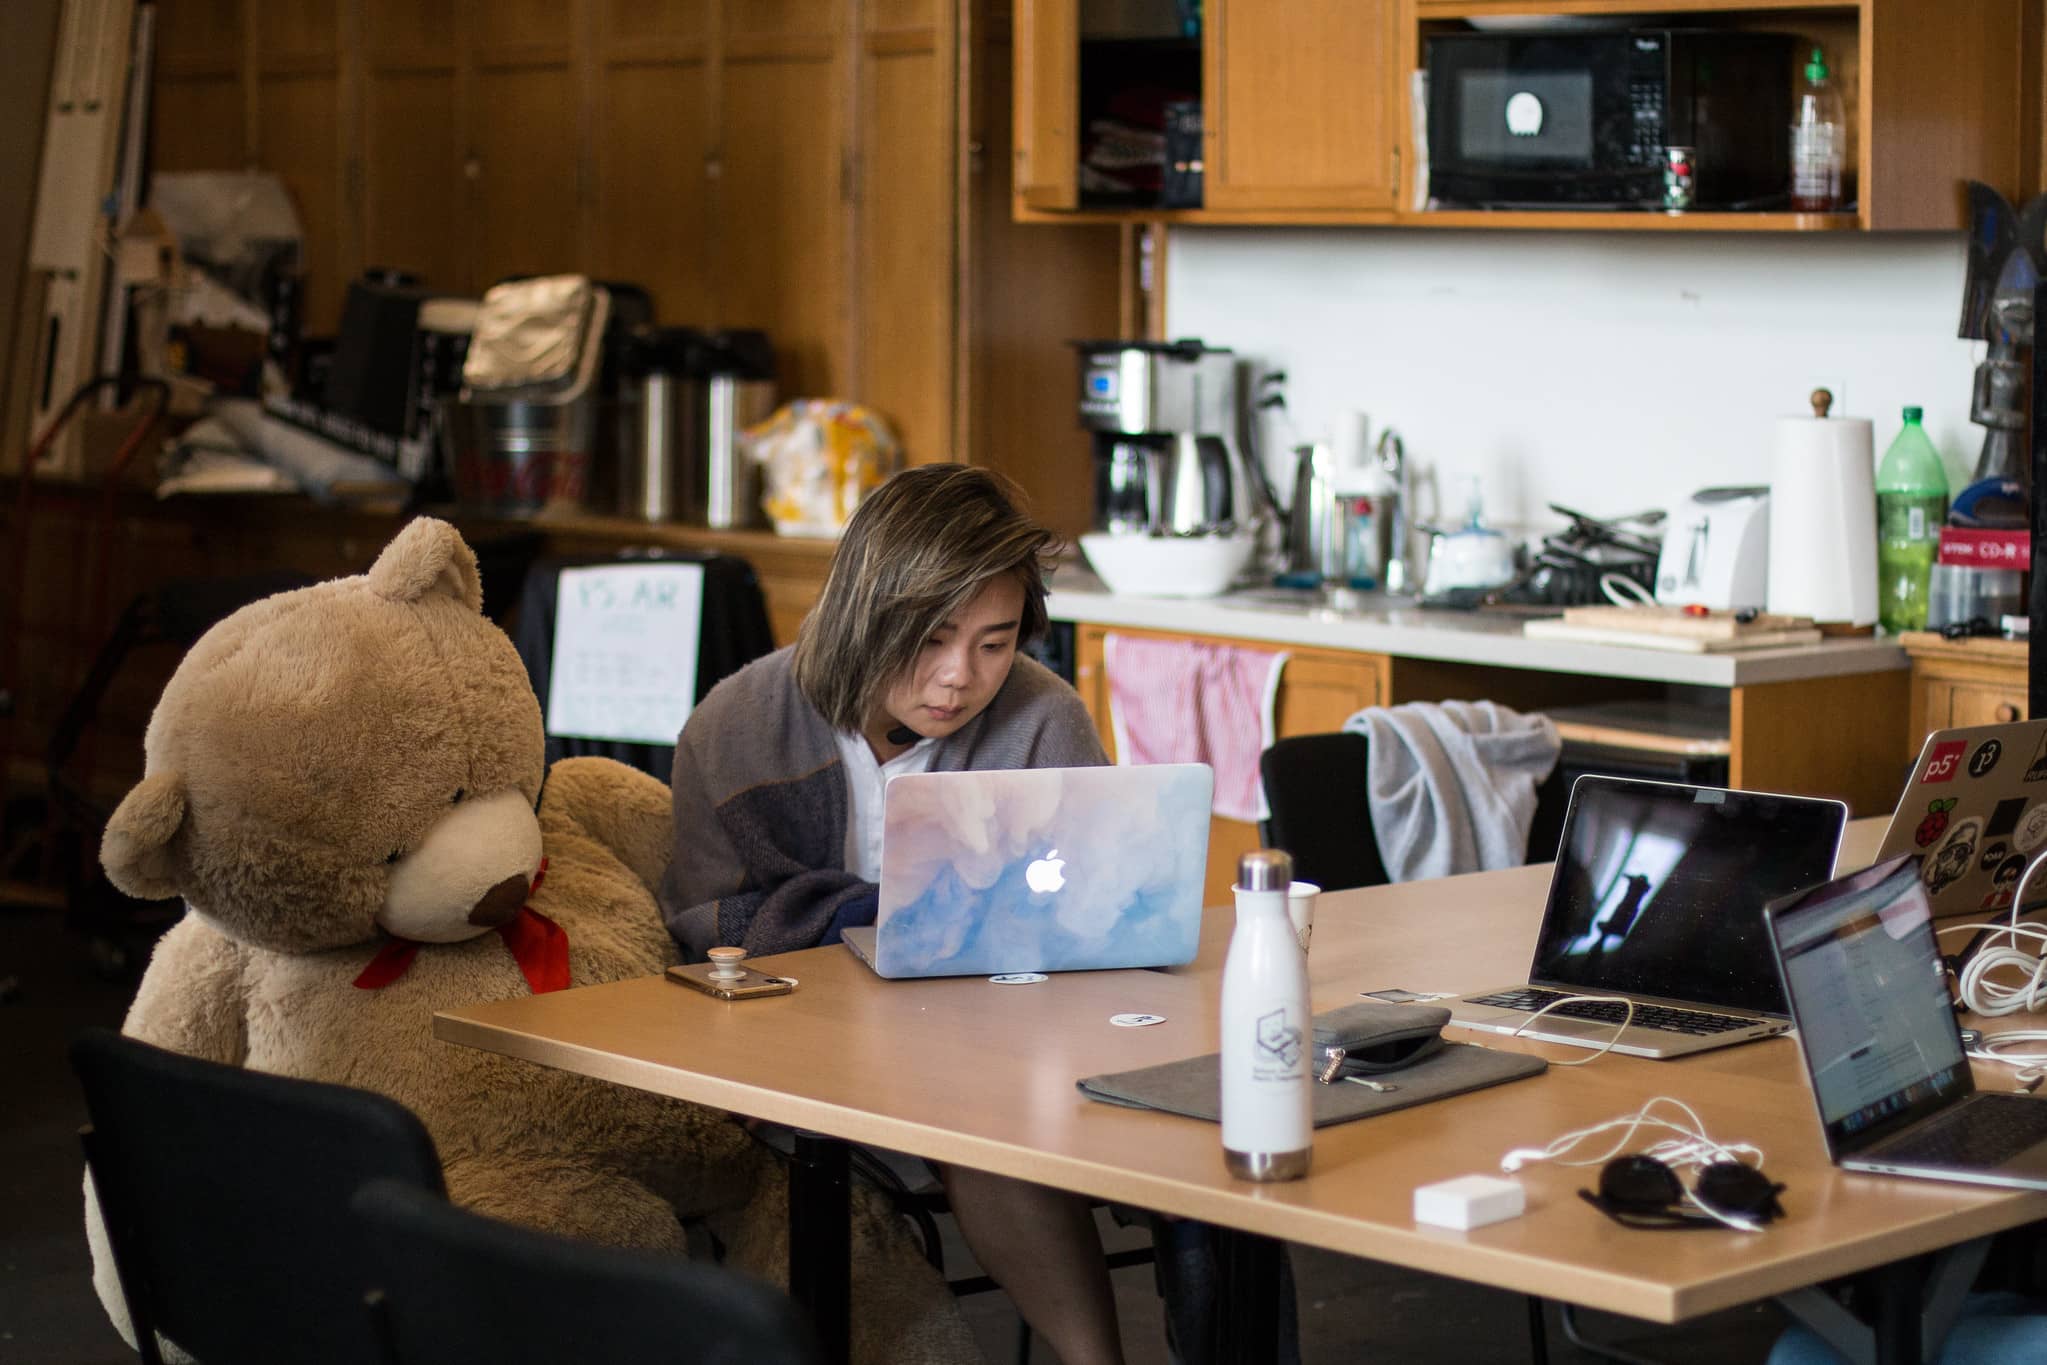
[(966, 1071)]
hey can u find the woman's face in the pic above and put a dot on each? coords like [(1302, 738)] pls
[(961, 667)]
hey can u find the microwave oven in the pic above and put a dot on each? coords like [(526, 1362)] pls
[(1576, 119)]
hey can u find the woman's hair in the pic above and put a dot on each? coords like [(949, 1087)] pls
[(916, 550)]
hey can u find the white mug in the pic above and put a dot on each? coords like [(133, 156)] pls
[(1300, 908)]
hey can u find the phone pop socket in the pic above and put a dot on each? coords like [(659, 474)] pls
[(725, 963)]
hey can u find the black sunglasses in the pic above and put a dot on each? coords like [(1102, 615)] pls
[(1639, 1191)]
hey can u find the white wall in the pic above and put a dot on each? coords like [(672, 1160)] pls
[(1606, 371)]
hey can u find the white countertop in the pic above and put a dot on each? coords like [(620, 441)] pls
[(1409, 631)]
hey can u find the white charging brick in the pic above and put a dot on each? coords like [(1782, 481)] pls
[(1469, 1201)]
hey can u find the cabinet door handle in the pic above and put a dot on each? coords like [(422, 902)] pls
[(2007, 711)]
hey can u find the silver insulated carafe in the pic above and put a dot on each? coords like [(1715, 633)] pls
[(698, 392)]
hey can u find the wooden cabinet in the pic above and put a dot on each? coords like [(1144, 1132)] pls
[(829, 171), (1307, 114), (1963, 682), (1299, 106), (1318, 690)]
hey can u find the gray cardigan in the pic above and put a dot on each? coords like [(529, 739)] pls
[(761, 804)]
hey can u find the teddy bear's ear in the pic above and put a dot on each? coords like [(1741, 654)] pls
[(428, 556), (136, 849)]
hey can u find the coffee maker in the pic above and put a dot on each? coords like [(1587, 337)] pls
[(1166, 418)]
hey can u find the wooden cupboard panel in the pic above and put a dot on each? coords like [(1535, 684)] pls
[(197, 124), (413, 189), (297, 137), (779, 237), (903, 304), (1983, 704), (1923, 128), (755, 18), (1780, 743), (295, 29), (1319, 691), (199, 32), (652, 139), (412, 28), (522, 24), (879, 16), (524, 192), (1299, 104), (1979, 681), (1046, 72), (625, 24)]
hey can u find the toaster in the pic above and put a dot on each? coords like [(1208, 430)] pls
[(1716, 550)]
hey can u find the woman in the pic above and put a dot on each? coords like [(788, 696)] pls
[(908, 663)]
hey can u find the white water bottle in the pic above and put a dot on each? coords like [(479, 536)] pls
[(1266, 1031)]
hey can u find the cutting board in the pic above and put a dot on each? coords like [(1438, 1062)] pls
[(1671, 628)]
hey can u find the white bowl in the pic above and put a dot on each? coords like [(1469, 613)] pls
[(1167, 566)]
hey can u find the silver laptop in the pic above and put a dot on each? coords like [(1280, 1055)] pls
[(1882, 1051), (1658, 898), (1040, 870), (1976, 810)]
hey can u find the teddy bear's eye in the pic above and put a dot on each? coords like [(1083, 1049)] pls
[(394, 855), (459, 794)]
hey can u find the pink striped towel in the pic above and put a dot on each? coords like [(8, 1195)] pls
[(1183, 701)]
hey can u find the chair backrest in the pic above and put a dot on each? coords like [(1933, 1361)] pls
[(460, 1287), (225, 1196), (1315, 790), (1321, 812)]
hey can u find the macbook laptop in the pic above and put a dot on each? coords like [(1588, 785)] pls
[(1658, 898), (1040, 870), (1976, 810), (1882, 1051)]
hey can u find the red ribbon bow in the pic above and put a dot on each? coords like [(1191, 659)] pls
[(536, 943)]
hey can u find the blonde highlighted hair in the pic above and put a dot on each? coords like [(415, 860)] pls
[(916, 551)]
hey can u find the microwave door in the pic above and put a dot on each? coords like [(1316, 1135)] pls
[(1538, 122)]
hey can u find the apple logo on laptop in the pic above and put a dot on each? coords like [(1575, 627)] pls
[(1044, 876)]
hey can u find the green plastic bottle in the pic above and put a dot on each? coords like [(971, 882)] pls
[(1911, 504)]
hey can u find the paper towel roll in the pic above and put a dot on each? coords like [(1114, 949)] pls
[(1823, 520)]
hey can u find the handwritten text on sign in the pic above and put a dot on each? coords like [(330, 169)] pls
[(625, 652)]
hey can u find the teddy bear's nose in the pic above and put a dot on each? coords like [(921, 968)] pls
[(500, 903)]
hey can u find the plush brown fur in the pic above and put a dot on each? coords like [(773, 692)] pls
[(298, 764)]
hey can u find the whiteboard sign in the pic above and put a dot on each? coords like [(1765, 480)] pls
[(625, 652)]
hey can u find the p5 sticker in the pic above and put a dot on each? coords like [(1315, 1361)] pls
[(1944, 760)]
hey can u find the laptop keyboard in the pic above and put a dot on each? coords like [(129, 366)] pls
[(1700, 1023), (1975, 1136)]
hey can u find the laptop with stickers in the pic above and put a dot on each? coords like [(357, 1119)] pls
[(1040, 870), (1975, 811)]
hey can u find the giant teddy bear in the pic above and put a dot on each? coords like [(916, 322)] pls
[(341, 782)]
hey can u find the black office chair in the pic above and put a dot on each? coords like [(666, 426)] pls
[(225, 1197), (1321, 814), (458, 1287)]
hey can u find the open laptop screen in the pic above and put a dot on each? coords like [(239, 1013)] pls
[(1869, 994), (1659, 889)]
